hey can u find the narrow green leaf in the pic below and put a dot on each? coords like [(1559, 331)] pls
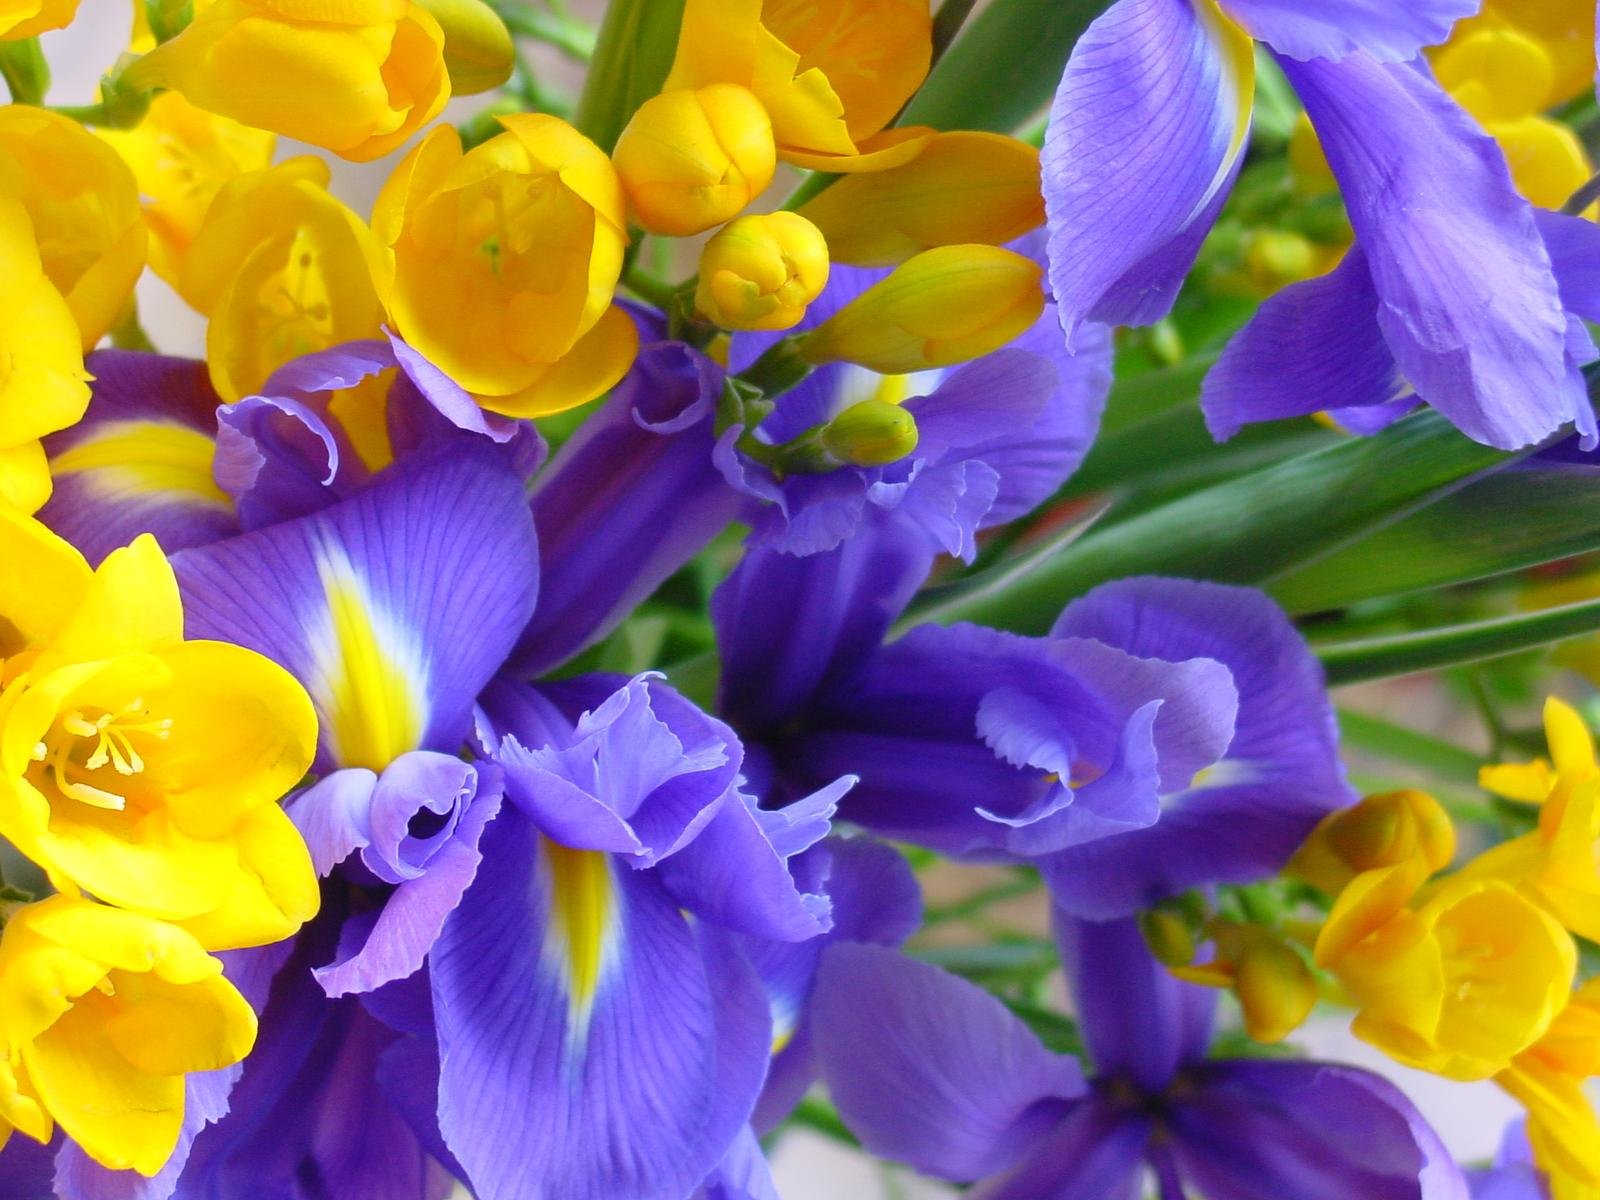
[(1503, 522), (1385, 739), (1450, 645), (1004, 67), (631, 59), (1249, 529)]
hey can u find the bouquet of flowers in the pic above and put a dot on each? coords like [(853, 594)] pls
[(786, 576)]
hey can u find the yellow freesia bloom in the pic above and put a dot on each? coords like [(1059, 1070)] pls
[(141, 767), (43, 386), (831, 75), (1383, 830), (282, 269), (961, 187), (181, 156), (506, 260), (28, 18), (1562, 29), (1458, 985), (1548, 1078), (357, 77), (102, 1015), (760, 272), (943, 306), (84, 206)]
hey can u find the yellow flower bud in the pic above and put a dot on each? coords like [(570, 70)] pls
[(1169, 937), (1384, 830), (181, 156), (1511, 72), (692, 159), (358, 77), (282, 269), (506, 260), (478, 51), (944, 306), (103, 1014), (43, 386), (28, 18), (961, 187), (1275, 988), (832, 73), (760, 272), (1562, 29), (84, 206), (870, 434)]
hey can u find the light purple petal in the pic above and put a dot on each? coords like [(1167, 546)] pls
[(1314, 346), (281, 458), (743, 1173), (638, 1090), (1467, 300), (449, 398), (436, 559), (1573, 244), (1241, 819), (931, 1070), (99, 505), (1143, 142), (1388, 30), (1138, 1022), (1259, 1130), (333, 815)]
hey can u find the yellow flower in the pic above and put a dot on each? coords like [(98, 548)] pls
[(944, 306), (505, 263), (282, 269), (84, 206), (103, 1014), (1563, 30), (961, 187), (693, 158), (181, 156), (141, 767), (831, 74), (357, 77), (760, 272), (1547, 1078), (43, 386), (1383, 830), (1275, 989), (28, 18), (1459, 985), (478, 50)]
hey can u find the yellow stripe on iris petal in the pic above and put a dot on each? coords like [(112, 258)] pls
[(1236, 53), (582, 939), (129, 459), (370, 679)]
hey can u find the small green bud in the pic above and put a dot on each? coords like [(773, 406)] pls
[(1168, 935), (870, 434)]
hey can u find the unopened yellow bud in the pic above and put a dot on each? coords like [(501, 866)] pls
[(1308, 165), (478, 51), (1384, 830), (1512, 74), (962, 187), (760, 272), (1276, 989), (944, 306), (1278, 257), (1168, 936), (693, 158), (870, 434)]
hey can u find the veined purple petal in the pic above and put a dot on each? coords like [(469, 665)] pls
[(1095, 1153), (1573, 244), (1467, 300), (591, 1047), (1259, 1130), (743, 1173), (1145, 136), (140, 460), (931, 1070), (1314, 346), (628, 500), (1139, 1023), (1390, 32), (334, 816), (426, 577), (1242, 818)]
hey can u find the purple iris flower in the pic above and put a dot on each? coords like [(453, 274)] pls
[(931, 1070), (1167, 734), (1451, 286)]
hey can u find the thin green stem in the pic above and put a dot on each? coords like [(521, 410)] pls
[(647, 287)]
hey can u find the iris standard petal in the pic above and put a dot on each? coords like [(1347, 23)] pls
[(1388, 31), (1467, 300), (1146, 133), (931, 1070)]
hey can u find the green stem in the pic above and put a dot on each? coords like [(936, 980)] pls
[(647, 287), (25, 70), (632, 57), (128, 333), (952, 16), (575, 39)]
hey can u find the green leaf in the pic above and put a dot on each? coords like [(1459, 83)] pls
[(1384, 739), (1449, 645), (631, 59), (1004, 67), (1248, 529), (1503, 522)]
